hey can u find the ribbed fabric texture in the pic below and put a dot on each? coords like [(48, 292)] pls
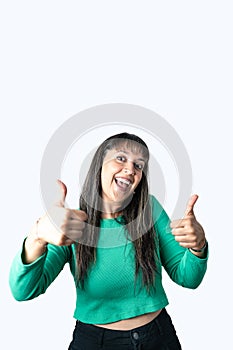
[(109, 293)]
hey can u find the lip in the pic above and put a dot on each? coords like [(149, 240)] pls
[(124, 178), (121, 189)]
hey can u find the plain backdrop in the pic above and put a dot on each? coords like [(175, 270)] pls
[(61, 57)]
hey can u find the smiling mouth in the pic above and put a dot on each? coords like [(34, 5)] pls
[(123, 184)]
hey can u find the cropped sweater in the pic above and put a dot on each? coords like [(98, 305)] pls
[(111, 293)]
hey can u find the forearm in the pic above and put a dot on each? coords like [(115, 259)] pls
[(26, 280), (29, 280), (189, 272)]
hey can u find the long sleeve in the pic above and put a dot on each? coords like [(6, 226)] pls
[(28, 281), (183, 267)]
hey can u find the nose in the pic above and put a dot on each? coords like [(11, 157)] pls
[(129, 168)]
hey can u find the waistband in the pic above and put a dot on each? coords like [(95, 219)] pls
[(151, 327)]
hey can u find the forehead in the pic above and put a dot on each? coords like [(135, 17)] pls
[(130, 148)]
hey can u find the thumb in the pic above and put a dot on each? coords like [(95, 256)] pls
[(189, 209), (60, 202)]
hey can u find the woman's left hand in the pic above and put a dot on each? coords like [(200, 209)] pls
[(187, 231)]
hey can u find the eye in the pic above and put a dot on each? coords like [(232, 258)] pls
[(121, 158), (138, 166)]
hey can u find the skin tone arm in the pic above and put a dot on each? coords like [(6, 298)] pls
[(188, 232), (65, 227)]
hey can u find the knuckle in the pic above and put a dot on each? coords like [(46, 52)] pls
[(192, 221), (81, 225), (83, 215), (192, 231), (195, 242)]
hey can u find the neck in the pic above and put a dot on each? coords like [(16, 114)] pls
[(112, 209), (111, 214)]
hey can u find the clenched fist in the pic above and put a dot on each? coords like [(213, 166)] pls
[(61, 226), (187, 231)]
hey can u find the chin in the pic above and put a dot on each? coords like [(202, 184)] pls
[(125, 201)]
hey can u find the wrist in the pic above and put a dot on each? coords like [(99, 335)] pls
[(33, 247), (34, 234), (200, 250)]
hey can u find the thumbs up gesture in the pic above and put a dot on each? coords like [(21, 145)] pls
[(187, 231), (61, 226)]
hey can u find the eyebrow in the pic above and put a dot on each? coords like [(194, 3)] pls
[(141, 159)]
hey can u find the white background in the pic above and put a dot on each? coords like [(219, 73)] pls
[(61, 57)]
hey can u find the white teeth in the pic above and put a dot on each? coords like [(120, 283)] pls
[(127, 182)]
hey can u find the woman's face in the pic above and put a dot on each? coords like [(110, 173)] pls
[(121, 174)]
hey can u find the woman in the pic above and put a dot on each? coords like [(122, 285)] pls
[(116, 245)]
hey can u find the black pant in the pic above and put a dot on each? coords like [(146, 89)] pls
[(159, 334)]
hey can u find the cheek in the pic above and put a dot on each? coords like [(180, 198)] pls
[(110, 170), (139, 177), (107, 175), (103, 180)]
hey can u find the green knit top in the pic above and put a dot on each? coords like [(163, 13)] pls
[(110, 293)]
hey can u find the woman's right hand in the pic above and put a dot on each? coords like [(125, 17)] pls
[(61, 226)]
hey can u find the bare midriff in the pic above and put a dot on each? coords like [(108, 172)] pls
[(131, 323)]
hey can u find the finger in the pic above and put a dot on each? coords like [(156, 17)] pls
[(185, 244), (179, 232), (182, 239), (182, 223), (75, 224), (177, 223), (60, 202), (79, 214), (189, 209), (74, 235)]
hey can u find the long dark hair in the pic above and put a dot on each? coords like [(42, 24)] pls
[(136, 217)]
